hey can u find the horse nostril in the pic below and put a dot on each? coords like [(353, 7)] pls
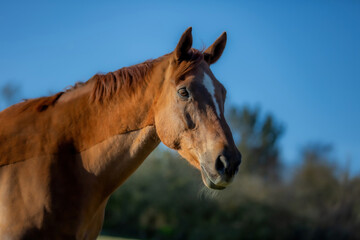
[(221, 164)]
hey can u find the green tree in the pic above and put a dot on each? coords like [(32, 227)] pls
[(324, 194)]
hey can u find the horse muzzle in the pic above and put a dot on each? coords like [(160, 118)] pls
[(223, 173)]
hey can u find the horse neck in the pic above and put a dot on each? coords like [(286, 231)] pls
[(126, 111), (119, 134)]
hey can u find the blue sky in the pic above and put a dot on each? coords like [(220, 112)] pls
[(299, 61)]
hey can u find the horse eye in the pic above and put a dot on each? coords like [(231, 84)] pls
[(183, 92)]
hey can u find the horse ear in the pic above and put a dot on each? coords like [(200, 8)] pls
[(213, 53), (184, 45)]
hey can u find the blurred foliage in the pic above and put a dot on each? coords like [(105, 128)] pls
[(257, 140), (165, 198)]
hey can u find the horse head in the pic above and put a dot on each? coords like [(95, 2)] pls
[(189, 112)]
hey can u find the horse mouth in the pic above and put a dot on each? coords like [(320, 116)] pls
[(208, 182)]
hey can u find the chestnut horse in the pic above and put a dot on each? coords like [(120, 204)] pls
[(62, 156)]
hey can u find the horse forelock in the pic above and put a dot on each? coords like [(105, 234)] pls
[(194, 59)]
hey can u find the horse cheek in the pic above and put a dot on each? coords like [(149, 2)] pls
[(167, 128)]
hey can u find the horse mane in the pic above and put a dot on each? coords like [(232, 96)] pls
[(38, 104), (126, 80)]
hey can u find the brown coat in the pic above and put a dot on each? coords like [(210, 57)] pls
[(62, 156)]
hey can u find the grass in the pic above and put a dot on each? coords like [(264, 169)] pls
[(112, 238)]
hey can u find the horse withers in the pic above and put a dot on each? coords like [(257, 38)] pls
[(62, 156)]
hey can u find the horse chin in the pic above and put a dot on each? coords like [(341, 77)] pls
[(207, 181)]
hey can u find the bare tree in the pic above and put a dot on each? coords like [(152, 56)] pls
[(9, 94)]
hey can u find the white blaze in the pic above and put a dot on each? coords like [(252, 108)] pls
[(208, 83)]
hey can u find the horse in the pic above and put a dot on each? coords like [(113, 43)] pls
[(62, 156)]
